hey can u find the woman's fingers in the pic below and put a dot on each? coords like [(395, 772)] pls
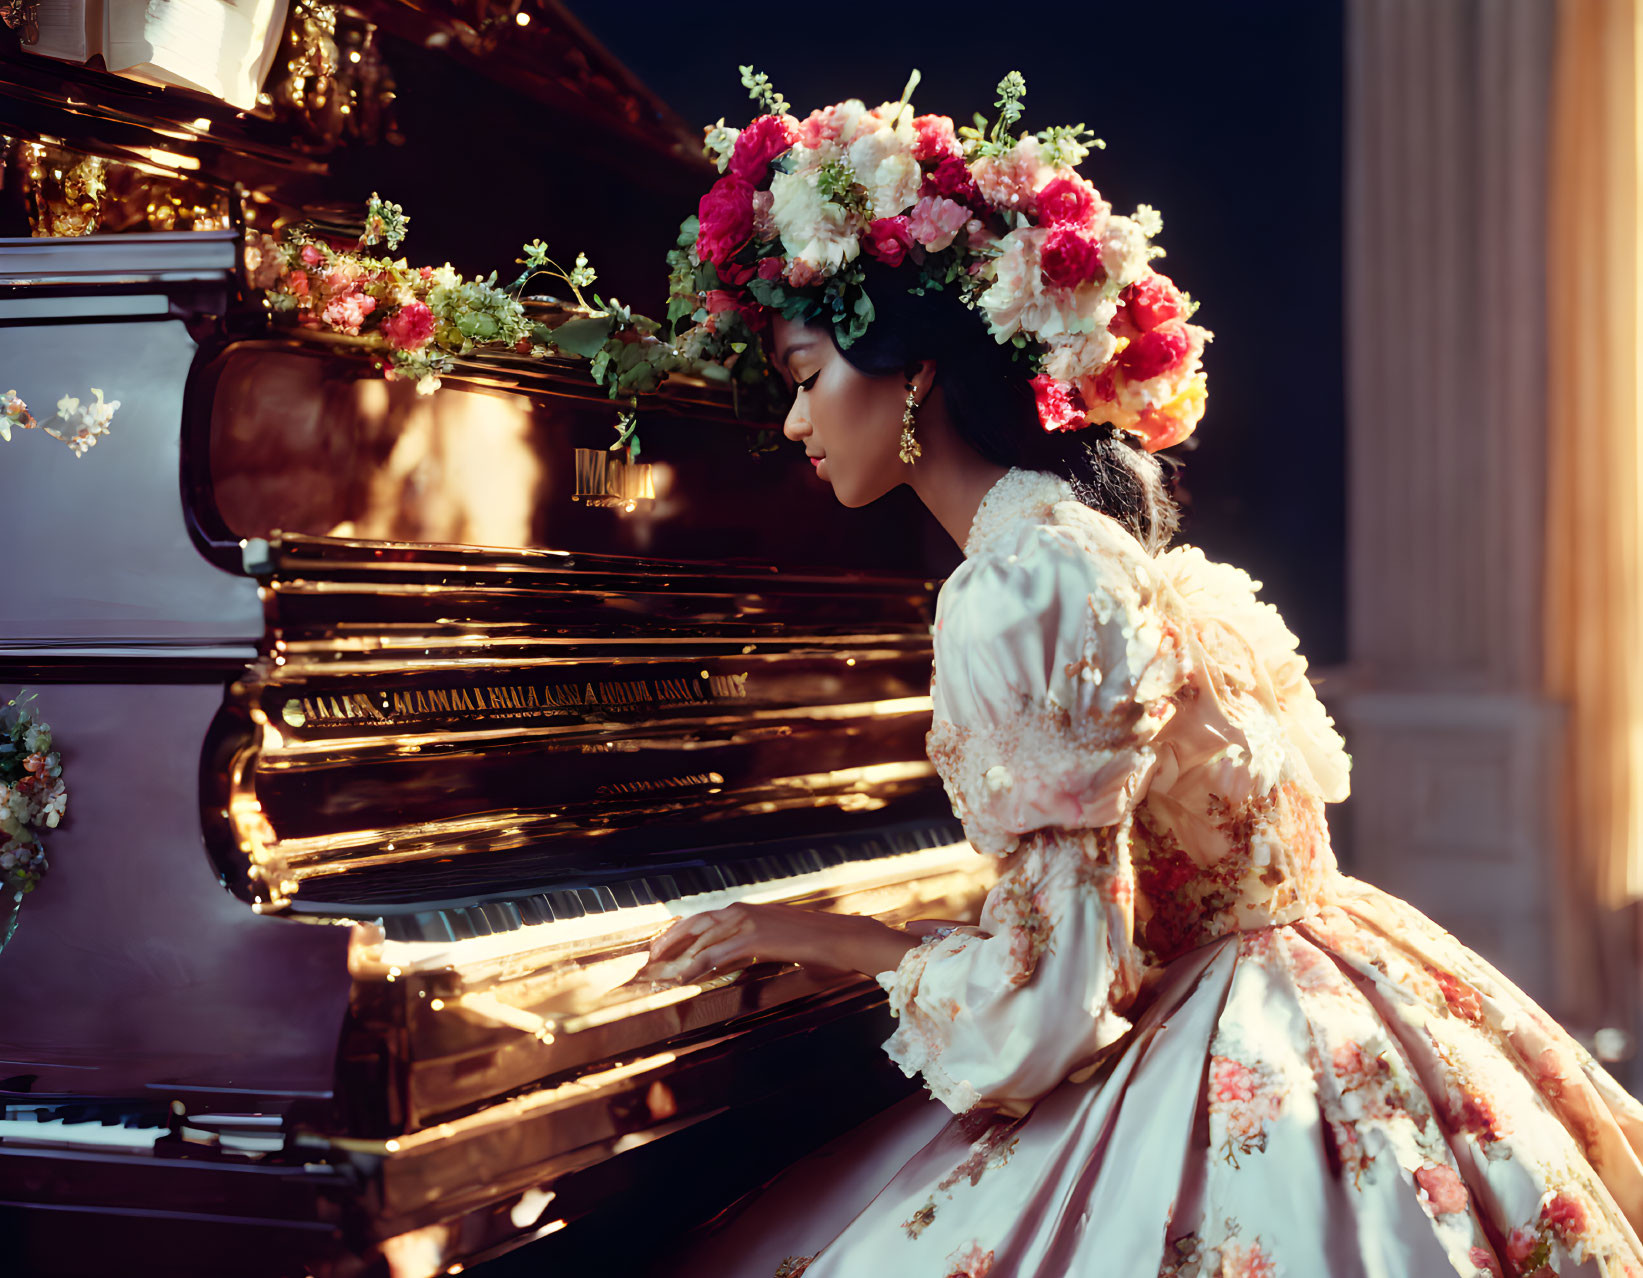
[(682, 933), (726, 955)]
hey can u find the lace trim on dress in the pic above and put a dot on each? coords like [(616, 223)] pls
[(912, 1047), (1018, 494)]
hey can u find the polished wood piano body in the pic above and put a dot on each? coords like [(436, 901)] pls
[(368, 828)]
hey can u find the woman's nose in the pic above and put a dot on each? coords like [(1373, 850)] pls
[(797, 425)]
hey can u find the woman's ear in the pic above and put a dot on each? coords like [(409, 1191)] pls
[(922, 373)]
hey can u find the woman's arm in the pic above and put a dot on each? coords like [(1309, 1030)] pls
[(738, 935)]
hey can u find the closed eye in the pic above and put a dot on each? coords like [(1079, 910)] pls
[(810, 381)]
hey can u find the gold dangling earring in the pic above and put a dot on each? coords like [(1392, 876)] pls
[(910, 450)]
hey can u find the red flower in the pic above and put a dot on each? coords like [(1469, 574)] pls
[(1150, 301), (410, 327), (1060, 407), (726, 214), (889, 238), (1156, 353), (1566, 1215), (951, 178), (1067, 201), (770, 268), (935, 137), (1070, 258), (759, 144), (733, 274), (1444, 1188)]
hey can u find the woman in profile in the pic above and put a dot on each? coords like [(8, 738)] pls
[(1179, 1041)]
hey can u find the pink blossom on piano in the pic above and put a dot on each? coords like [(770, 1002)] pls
[(410, 327), (348, 311)]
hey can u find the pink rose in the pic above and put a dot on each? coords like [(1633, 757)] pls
[(296, 283), (1444, 1188), (410, 327), (1070, 258), (889, 238), (759, 144), (726, 214), (1156, 353), (770, 268), (310, 255), (1067, 201), (934, 137), (348, 312), (823, 126), (1150, 301), (936, 221), (1059, 406), (951, 179)]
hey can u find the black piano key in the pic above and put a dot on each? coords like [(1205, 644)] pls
[(503, 916), (592, 902), (460, 925), (477, 920), (566, 905), (534, 910), (642, 893), (626, 897), (666, 887)]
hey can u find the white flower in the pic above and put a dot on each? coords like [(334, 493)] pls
[(68, 406), (884, 165), (1016, 299), (720, 143), (1124, 251), (812, 228), (998, 778), (37, 738), (427, 384), (53, 802), (1075, 355), (1149, 220)]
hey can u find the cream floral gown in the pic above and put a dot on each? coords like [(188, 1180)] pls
[(1180, 1042)]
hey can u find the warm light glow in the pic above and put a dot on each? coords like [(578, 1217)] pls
[(522, 18)]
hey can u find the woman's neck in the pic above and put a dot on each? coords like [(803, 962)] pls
[(950, 477)]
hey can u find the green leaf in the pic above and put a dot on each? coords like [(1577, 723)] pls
[(582, 336)]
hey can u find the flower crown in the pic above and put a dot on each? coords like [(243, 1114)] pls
[(1002, 218)]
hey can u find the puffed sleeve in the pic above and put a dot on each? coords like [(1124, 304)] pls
[(1054, 675)]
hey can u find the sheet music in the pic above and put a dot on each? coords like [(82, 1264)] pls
[(220, 47)]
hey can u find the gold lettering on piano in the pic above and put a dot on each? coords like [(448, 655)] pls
[(651, 785), (511, 701), (603, 480)]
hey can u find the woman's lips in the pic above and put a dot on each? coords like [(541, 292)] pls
[(816, 461)]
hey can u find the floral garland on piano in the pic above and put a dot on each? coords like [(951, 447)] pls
[(421, 319), (32, 796), (86, 422)]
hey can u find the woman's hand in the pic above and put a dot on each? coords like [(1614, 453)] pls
[(739, 935)]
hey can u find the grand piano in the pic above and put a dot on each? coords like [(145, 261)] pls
[(395, 727)]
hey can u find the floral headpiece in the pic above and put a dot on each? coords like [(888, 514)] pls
[(1003, 218)]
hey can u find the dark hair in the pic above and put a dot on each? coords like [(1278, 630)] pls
[(991, 402)]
